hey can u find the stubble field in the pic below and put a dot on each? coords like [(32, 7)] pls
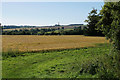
[(38, 43)]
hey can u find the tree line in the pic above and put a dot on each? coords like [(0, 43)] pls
[(62, 31)]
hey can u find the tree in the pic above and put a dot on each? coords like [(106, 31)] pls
[(110, 25), (93, 19), (110, 22)]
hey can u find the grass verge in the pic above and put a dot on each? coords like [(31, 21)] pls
[(89, 62)]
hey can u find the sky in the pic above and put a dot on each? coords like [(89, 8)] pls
[(47, 13)]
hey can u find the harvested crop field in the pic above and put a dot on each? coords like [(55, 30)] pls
[(38, 43)]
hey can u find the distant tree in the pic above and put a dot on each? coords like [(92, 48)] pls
[(37, 29), (42, 32), (58, 28), (93, 19), (62, 27)]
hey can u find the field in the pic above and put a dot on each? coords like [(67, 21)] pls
[(64, 57), (28, 43), (71, 63)]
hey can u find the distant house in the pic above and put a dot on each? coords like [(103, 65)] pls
[(75, 24), (82, 27)]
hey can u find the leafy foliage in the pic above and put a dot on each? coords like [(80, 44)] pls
[(110, 22), (110, 25), (93, 18), (76, 31)]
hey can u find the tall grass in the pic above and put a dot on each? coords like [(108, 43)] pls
[(11, 53), (88, 62)]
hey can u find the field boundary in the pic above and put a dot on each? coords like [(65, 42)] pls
[(21, 53)]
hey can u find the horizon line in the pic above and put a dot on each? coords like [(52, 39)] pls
[(37, 25)]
